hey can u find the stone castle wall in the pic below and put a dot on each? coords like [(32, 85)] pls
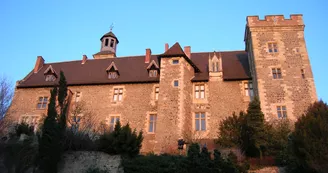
[(293, 90)]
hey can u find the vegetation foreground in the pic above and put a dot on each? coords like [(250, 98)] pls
[(301, 147)]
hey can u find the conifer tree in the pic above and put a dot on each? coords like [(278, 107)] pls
[(253, 130), (54, 126)]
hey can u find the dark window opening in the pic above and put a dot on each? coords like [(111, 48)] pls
[(111, 43), (106, 42), (276, 73), (175, 61)]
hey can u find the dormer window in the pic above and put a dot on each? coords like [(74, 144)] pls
[(106, 42), (50, 74), (215, 63), (50, 78), (153, 73), (112, 75), (112, 71), (112, 43)]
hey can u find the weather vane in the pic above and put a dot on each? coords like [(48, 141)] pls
[(111, 27)]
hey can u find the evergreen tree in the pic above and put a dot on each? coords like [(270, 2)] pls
[(309, 141), (52, 136), (253, 130)]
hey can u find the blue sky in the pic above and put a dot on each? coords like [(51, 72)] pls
[(64, 30)]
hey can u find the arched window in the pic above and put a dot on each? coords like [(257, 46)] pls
[(106, 42), (112, 43)]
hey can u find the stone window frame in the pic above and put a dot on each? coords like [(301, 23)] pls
[(114, 117), (200, 118), (173, 60), (276, 73), (118, 88), (78, 96), (112, 75), (43, 104), (153, 73), (156, 93), (272, 47), (29, 117), (248, 88), (149, 114), (281, 111), (50, 78), (199, 91), (174, 82)]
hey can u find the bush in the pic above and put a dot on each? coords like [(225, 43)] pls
[(230, 131), (20, 155), (198, 160), (121, 141), (95, 170), (24, 128), (310, 138), (78, 141)]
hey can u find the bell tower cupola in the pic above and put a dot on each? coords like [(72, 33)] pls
[(108, 46)]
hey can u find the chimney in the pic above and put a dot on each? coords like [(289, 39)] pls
[(187, 51), (84, 59), (38, 64), (166, 47), (148, 55)]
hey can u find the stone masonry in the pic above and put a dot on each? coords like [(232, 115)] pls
[(177, 106), (293, 90)]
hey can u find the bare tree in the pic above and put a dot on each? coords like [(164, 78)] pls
[(6, 95), (83, 120)]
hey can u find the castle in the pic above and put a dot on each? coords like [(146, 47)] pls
[(179, 93)]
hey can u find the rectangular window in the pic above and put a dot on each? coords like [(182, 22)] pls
[(156, 93), (200, 121), (112, 75), (32, 121), (118, 94), (175, 61), (112, 123), (50, 78), (272, 47), (200, 91), (42, 103), (248, 86), (282, 111), (176, 83), (78, 96), (152, 73), (276, 73), (152, 123)]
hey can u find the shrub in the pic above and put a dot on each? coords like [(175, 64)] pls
[(230, 130), (24, 128), (120, 141), (78, 141), (310, 138), (95, 170), (20, 155)]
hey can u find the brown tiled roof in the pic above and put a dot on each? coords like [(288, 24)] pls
[(110, 34), (234, 65), (134, 70), (176, 50)]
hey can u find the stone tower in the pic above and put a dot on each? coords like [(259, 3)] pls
[(174, 98), (108, 46), (280, 65)]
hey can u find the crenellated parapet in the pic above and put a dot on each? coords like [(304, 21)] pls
[(275, 20)]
